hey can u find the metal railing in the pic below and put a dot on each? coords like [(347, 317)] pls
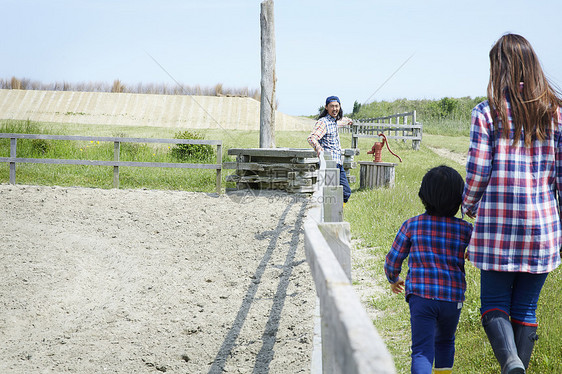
[(13, 159)]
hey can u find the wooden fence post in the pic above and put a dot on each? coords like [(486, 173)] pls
[(417, 133), (116, 148), (354, 133), (13, 153), (219, 171), (267, 107), (332, 194)]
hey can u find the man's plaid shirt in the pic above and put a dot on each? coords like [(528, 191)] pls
[(513, 189), (435, 247), (325, 137)]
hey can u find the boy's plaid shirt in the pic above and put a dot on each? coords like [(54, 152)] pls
[(513, 189), (325, 136), (435, 247)]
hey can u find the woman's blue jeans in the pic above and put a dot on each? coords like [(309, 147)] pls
[(514, 293), (433, 324)]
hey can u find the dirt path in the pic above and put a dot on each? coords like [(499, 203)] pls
[(457, 157), (136, 281)]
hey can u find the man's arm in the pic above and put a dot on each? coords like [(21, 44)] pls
[(317, 133)]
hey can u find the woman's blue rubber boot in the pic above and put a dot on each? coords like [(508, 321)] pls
[(500, 334), (525, 338)]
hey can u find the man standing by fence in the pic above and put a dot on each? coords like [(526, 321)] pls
[(325, 137)]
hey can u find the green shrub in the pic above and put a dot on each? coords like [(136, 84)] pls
[(198, 152), (40, 146)]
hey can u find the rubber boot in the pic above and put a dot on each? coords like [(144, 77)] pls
[(525, 338), (500, 334)]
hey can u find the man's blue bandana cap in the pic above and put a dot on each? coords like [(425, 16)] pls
[(332, 98)]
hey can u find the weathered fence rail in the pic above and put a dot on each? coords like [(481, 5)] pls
[(402, 126), (13, 159), (350, 344)]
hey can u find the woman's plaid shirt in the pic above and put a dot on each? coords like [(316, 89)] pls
[(435, 247), (513, 190), (325, 137)]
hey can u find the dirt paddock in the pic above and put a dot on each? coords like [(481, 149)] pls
[(137, 281)]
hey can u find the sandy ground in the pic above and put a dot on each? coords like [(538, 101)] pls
[(137, 281)]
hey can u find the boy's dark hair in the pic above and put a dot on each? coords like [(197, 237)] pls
[(441, 191)]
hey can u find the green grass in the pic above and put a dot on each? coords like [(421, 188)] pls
[(374, 215)]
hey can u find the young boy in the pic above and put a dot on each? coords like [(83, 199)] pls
[(435, 242)]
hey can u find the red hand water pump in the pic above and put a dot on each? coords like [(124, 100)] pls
[(377, 149)]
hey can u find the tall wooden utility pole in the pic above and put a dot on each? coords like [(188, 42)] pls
[(267, 108)]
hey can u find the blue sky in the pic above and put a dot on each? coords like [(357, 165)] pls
[(346, 48)]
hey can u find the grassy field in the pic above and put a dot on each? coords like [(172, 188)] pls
[(374, 215)]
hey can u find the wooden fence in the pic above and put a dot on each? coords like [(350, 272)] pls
[(403, 126), (350, 344), (13, 159)]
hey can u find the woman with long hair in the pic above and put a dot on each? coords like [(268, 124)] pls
[(514, 174)]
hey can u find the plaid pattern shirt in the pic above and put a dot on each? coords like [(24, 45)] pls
[(513, 190), (325, 137), (435, 246)]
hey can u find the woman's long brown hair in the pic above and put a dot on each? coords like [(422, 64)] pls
[(515, 71)]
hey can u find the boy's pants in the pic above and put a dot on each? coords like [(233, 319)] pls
[(434, 323)]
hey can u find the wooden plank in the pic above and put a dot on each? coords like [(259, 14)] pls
[(261, 166), (350, 152), (388, 137), (301, 160), (303, 189), (278, 160), (110, 139), (274, 152), (254, 166), (269, 180), (307, 174), (349, 165), (387, 126), (57, 161)]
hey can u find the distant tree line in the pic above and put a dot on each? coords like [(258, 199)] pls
[(447, 108)]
